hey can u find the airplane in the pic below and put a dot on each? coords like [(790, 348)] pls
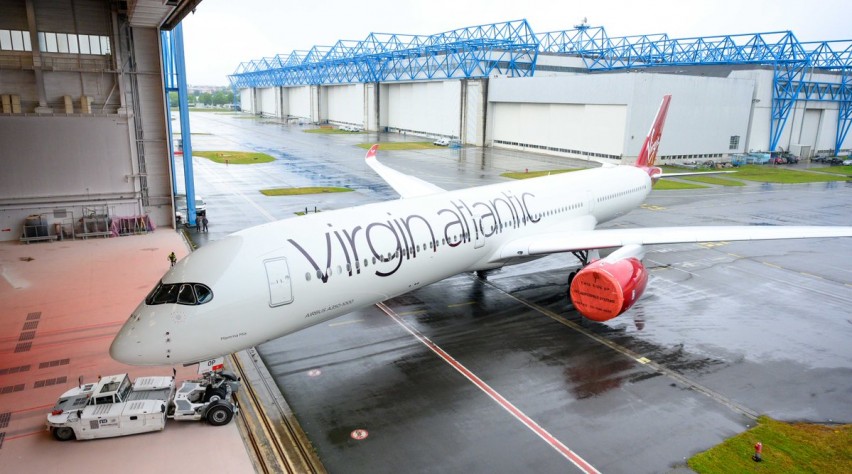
[(274, 279)]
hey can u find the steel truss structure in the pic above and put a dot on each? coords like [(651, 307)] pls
[(508, 48), (792, 62), (512, 48)]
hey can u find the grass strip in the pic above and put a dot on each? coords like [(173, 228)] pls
[(714, 180), (787, 448), (331, 131), (843, 170), (234, 157), (300, 191), (669, 184), (773, 174)]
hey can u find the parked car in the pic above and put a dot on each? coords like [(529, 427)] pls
[(847, 162), (180, 207), (835, 161), (442, 142)]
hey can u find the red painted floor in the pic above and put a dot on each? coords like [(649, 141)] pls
[(68, 299)]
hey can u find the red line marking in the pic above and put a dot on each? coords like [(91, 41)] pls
[(506, 404), (42, 407), (11, 438)]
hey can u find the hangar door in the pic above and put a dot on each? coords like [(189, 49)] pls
[(568, 128), (810, 128)]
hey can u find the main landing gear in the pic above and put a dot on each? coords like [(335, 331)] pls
[(583, 257)]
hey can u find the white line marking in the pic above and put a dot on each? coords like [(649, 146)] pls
[(506, 404)]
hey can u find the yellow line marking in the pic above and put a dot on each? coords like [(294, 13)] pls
[(710, 245), (735, 255), (772, 265), (651, 207), (344, 323), (461, 304), (409, 313), (643, 360), (811, 275)]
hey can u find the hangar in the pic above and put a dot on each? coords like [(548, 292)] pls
[(577, 93), (86, 135), (83, 123)]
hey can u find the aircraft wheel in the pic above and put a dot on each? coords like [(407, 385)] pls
[(570, 281), (63, 433), (219, 415)]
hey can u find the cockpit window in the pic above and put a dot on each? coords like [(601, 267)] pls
[(180, 293), (186, 295), (203, 293)]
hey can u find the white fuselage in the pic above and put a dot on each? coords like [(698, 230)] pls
[(277, 278)]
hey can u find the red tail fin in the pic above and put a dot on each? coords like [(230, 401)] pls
[(648, 155)]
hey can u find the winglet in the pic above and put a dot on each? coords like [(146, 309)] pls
[(648, 155), (372, 152)]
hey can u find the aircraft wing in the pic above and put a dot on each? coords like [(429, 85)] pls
[(406, 185), (567, 241)]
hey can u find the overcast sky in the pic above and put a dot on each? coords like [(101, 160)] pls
[(223, 33)]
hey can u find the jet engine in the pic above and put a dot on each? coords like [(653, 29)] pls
[(608, 287)]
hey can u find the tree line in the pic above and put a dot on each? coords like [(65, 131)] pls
[(219, 97)]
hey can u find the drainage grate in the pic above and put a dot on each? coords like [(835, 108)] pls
[(11, 388), (4, 419), (23, 347), (27, 336), (29, 326), (49, 382), (15, 370), (54, 363), (34, 316)]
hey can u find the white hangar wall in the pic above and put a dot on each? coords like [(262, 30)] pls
[(269, 99), (602, 115), (346, 104), (608, 115), (299, 100), (247, 100), (423, 108), (76, 144)]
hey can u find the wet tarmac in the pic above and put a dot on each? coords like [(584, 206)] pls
[(724, 331)]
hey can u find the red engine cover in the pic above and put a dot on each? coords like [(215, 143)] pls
[(603, 290)]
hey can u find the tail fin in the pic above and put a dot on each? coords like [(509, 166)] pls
[(648, 155)]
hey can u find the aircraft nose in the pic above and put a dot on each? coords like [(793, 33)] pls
[(122, 348), (131, 345)]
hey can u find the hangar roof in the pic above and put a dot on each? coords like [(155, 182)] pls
[(165, 14)]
